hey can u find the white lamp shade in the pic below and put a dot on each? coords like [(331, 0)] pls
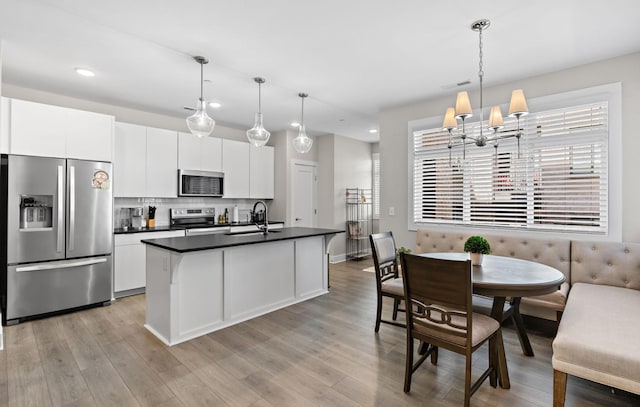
[(258, 135), (450, 122), (302, 143), (463, 106), (199, 123), (518, 106), (495, 118)]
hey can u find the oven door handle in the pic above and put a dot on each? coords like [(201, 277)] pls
[(208, 231)]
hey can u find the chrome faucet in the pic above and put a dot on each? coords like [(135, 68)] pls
[(264, 228)]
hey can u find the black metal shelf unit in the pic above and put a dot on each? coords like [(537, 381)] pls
[(359, 222)]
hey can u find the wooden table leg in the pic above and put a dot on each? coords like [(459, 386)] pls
[(520, 328), (496, 313)]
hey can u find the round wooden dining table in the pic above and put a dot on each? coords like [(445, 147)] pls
[(501, 277)]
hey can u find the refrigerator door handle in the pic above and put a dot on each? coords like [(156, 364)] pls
[(72, 207), (60, 237), (64, 265)]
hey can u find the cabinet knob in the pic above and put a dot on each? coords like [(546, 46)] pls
[(297, 219)]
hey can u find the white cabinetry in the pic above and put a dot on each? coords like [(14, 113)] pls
[(53, 131), (162, 165), (129, 164), (235, 165), (203, 154), (129, 271), (261, 169), (145, 163)]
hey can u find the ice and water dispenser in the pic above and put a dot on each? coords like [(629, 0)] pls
[(36, 211)]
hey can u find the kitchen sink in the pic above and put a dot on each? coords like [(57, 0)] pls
[(250, 233)]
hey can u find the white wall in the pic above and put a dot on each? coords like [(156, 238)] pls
[(394, 139)]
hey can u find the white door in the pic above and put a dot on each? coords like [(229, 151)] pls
[(304, 195)]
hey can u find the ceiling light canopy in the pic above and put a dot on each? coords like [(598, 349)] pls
[(517, 108), (200, 124), (302, 143), (258, 135)]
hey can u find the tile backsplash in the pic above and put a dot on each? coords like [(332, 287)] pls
[(163, 205)]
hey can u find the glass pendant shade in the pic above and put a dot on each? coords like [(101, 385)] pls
[(495, 118), (518, 106), (199, 123), (302, 143), (463, 106), (450, 122), (258, 135)]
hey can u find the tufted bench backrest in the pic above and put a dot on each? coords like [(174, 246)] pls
[(606, 263), (552, 252)]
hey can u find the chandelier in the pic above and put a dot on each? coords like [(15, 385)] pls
[(302, 143), (258, 135), (462, 110)]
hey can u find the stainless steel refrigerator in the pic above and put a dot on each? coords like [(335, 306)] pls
[(56, 220)]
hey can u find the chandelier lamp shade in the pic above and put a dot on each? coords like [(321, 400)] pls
[(302, 143), (462, 111), (258, 135), (199, 123)]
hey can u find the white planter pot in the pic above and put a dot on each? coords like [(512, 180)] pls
[(476, 258)]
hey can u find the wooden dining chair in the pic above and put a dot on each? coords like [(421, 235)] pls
[(388, 281), (439, 312)]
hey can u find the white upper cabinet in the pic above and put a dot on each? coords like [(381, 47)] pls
[(53, 131), (235, 165), (146, 162), (129, 164), (203, 154), (162, 166), (261, 170)]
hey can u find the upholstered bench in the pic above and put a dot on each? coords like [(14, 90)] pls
[(599, 332)]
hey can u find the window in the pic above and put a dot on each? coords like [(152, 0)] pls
[(376, 185), (560, 181)]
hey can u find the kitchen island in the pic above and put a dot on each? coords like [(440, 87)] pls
[(199, 284)]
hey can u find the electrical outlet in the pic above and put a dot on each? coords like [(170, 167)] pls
[(392, 211)]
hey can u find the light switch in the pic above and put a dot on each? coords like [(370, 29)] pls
[(392, 211)]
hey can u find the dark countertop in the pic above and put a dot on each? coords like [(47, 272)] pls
[(217, 241), (120, 231)]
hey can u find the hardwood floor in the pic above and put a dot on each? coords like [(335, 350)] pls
[(321, 352)]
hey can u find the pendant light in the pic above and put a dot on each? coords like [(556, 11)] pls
[(200, 124), (302, 143), (258, 135)]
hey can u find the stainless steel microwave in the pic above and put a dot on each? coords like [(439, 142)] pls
[(200, 183)]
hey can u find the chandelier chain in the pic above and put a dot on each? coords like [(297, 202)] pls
[(480, 76)]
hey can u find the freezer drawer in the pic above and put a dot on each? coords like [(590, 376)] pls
[(39, 288)]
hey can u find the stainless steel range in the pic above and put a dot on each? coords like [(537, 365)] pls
[(197, 221)]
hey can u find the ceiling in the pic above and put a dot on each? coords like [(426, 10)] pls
[(354, 58)]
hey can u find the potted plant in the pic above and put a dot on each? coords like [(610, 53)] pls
[(401, 249), (477, 246)]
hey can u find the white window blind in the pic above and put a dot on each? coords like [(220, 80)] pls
[(560, 181), (376, 186)]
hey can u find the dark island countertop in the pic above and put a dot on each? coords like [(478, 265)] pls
[(217, 241)]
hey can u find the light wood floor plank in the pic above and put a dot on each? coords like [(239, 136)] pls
[(322, 352)]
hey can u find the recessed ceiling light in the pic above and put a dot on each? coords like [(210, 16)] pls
[(85, 72), (295, 124), (373, 131), (215, 105)]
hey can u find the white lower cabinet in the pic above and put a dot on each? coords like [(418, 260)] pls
[(129, 270)]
